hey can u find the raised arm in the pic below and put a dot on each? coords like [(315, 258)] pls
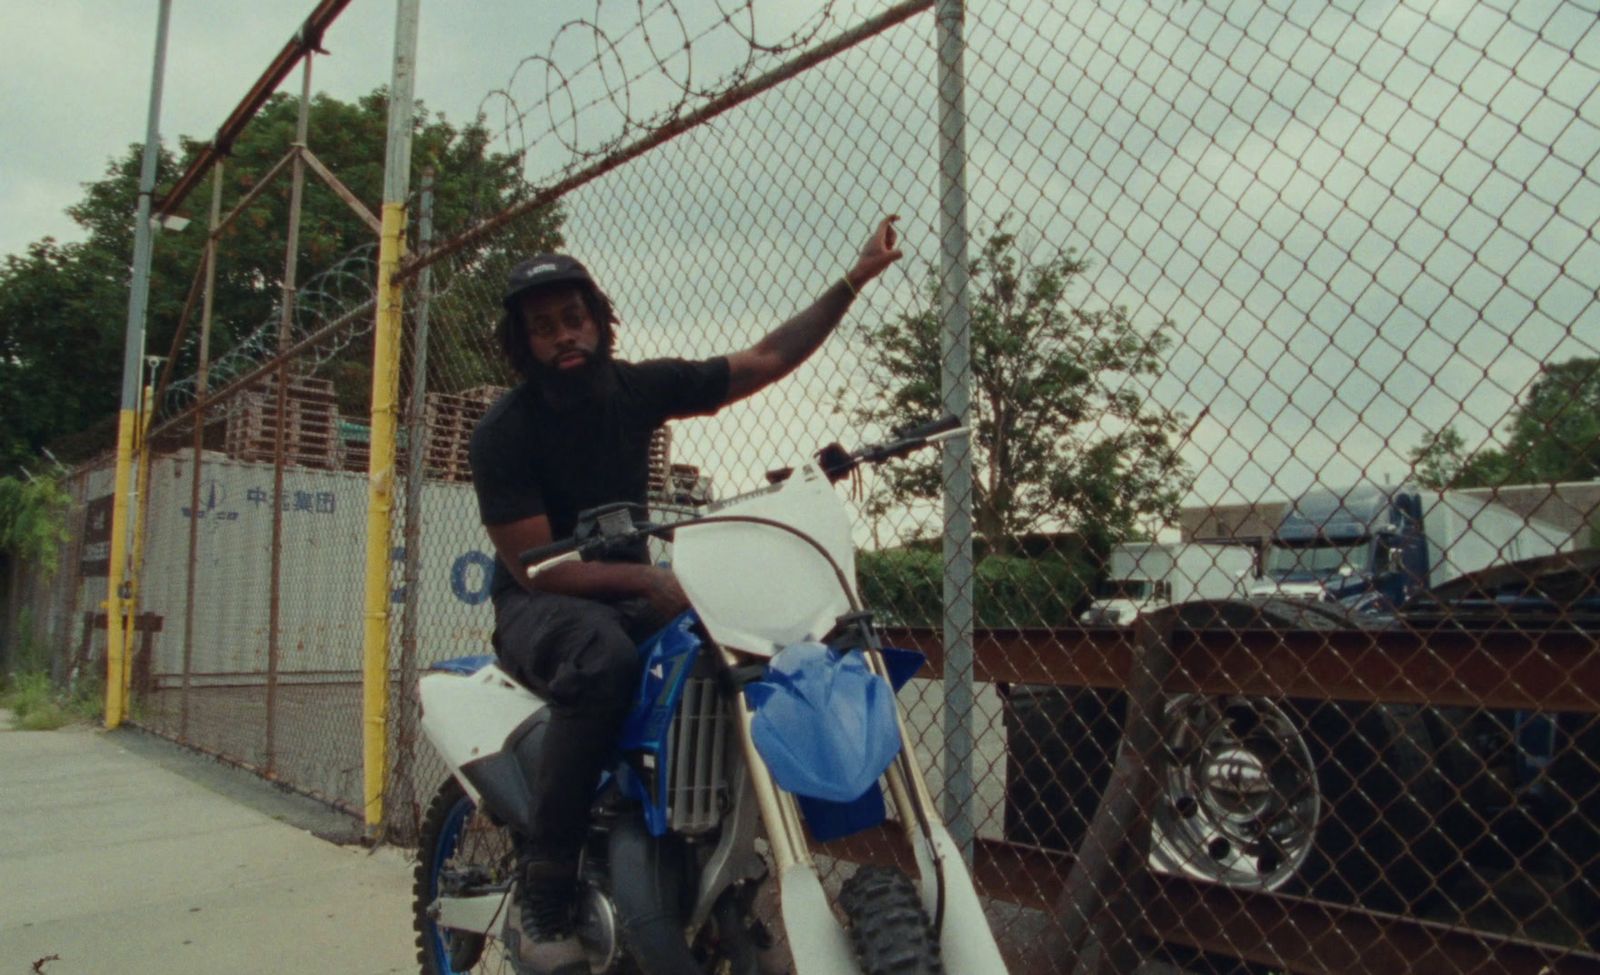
[(793, 342), (588, 580)]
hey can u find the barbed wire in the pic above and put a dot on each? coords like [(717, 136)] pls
[(322, 298), (641, 74)]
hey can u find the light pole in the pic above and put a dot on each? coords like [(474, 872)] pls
[(133, 349)]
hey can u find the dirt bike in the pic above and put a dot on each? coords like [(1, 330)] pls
[(765, 712)]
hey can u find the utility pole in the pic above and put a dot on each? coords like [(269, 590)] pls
[(956, 346), (133, 350), (385, 413)]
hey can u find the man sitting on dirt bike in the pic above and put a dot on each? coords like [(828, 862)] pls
[(574, 435)]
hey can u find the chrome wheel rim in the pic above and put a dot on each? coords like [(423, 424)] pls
[(1239, 803)]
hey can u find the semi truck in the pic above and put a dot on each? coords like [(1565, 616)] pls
[(1371, 547), (1143, 577)]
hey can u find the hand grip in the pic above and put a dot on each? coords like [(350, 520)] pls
[(533, 556), (922, 431)]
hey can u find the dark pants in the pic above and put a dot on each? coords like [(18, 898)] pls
[(580, 655)]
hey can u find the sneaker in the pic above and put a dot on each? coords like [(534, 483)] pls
[(542, 936)]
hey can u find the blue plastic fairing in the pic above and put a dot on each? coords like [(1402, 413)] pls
[(835, 820), (669, 656), (463, 665), (901, 664), (824, 723)]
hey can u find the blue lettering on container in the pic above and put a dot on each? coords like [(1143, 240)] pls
[(468, 590)]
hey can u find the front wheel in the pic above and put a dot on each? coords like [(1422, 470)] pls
[(889, 929), (459, 850)]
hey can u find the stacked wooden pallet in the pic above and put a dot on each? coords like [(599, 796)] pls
[(660, 464), (309, 422), (688, 486), (449, 419), (355, 445)]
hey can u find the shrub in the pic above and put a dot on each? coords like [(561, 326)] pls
[(906, 588), (38, 705)]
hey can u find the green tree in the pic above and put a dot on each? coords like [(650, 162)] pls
[(63, 307), (1553, 436), (60, 355), (1063, 433), (33, 515), (1443, 462), (33, 521), (1555, 431)]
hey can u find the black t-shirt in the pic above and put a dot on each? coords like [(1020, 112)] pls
[(530, 458)]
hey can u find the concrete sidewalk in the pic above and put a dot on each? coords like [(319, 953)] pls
[(121, 854)]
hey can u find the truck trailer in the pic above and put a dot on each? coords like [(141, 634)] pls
[(1145, 576), (1371, 547)]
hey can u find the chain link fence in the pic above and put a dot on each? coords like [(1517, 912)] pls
[(251, 496), (1283, 314)]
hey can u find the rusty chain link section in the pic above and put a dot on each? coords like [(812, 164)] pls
[(1285, 399)]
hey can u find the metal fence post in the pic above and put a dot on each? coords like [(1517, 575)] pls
[(416, 473), (280, 435), (957, 462), (202, 377), (143, 459), (385, 396), (133, 350)]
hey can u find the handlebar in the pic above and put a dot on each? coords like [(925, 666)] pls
[(837, 462), (541, 553), (599, 528), (923, 431)]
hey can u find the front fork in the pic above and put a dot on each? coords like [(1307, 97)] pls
[(819, 944)]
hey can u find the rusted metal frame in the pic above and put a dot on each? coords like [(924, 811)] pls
[(262, 185), (1545, 671), (1296, 934), (242, 383), (146, 622), (291, 261), (178, 335), (1313, 937), (202, 379), (1099, 898), (339, 189), (305, 40), (728, 100), (345, 677)]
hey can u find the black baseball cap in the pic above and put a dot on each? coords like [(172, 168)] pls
[(542, 270)]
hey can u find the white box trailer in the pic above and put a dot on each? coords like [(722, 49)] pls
[(1466, 534), (1145, 576)]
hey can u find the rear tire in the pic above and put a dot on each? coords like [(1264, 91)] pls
[(888, 927), (457, 846), (1378, 845)]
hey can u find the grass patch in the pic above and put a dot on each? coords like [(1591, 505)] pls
[(38, 705)]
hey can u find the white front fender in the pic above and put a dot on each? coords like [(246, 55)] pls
[(965, 941), (817, 942)]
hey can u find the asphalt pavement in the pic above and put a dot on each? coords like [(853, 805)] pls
[(122, 854)]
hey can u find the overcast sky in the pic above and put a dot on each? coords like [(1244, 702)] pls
[(75, 82), (1365, 219)]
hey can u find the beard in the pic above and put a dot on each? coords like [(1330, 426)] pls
[(577, 384)]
